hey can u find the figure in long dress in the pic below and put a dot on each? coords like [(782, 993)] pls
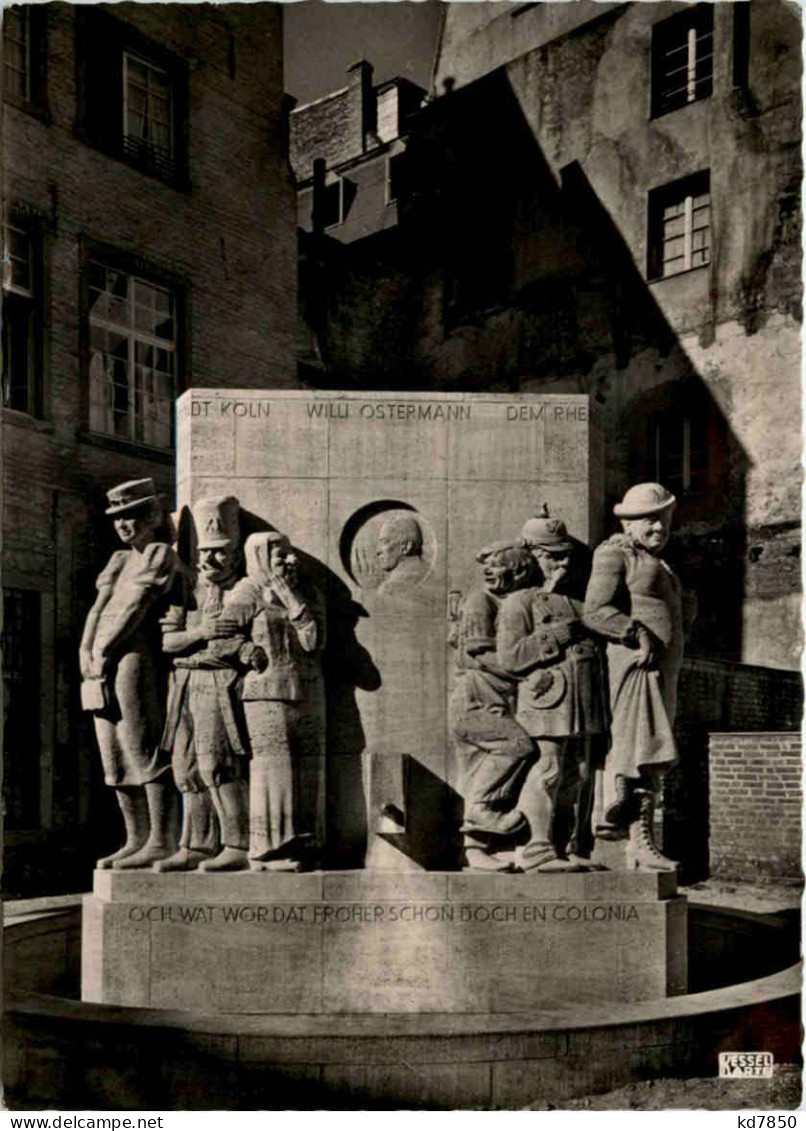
[(124, 681), (634, 601)]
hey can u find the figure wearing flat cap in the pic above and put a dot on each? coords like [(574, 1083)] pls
[(284, 703), (491, 746), (124, 678), (205, 729), (634, 602), (544, 645)]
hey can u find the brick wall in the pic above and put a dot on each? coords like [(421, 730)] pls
[(715, 696), (756, 799), (228, 238)]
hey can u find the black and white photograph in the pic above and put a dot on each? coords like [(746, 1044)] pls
[(401, 557)]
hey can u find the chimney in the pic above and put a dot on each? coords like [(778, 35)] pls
[(361, 75)]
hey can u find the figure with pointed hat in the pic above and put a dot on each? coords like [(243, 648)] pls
[(205, 729), (124, 678), (634, 601)]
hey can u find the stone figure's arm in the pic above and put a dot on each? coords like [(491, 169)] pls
[(479, 635), (606, 596), (138, 594), (88, 635), (309, 623), (520, 647)]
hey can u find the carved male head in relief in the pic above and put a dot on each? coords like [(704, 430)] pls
[(399, 537)]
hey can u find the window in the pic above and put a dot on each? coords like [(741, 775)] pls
[(132, 96), (24, 55), (395, 177), (21, 706), (17, 52), (678, 450), (682, 59), (21, 363), (680, 227), (332, 204), (147, 114), (132, 356)]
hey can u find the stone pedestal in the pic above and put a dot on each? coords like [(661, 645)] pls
[(363, 942)]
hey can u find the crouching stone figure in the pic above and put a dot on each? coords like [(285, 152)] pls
[(491, 745)]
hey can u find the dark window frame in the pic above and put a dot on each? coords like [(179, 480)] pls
[(695, 185), (683, 80), (97, 253), (102, 43), (18, 305), (35, 100)]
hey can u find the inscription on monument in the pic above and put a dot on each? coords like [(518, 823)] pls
[(389, 411), (316, 914)]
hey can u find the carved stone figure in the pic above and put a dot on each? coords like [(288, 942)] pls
[(634, 602), (543, 643), (120, 665), (492, 746), (284, 703), (205, 730), (399, 551)]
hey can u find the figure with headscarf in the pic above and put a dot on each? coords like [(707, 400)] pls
[(284, 704)]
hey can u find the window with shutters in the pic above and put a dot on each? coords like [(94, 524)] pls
[(682, 59), (132, 97), (22, 291), (680, 226)]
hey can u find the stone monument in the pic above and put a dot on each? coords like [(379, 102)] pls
[(363, 515)]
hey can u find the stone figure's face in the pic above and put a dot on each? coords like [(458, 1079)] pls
[(283, 563), (218, 564), (555, 565), (135, 529), (389, 550), (499, 576), (651, 532)]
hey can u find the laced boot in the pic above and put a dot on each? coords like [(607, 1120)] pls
[(642, 853), (623, 811)]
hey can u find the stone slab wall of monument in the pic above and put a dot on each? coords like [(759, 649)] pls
[(389, 498), (368, 942)]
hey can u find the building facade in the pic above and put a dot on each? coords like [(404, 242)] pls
[(605, 198), (149, 239)]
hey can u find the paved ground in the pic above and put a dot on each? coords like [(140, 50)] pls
[(781, 1093)]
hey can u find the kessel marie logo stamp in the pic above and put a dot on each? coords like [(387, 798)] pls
[(740, 1065)]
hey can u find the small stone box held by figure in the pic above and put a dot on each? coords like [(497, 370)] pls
[(369, 942)]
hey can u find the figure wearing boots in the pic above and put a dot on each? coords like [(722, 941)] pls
[(284, 703), (634, 602), (205, 730), (561, 704), (124, 680), (492, 746)]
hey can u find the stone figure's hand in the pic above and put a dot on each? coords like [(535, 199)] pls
[(259, 660), (85, 664), (213, 627), (285, 594), (647, 650), (98, 665)]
